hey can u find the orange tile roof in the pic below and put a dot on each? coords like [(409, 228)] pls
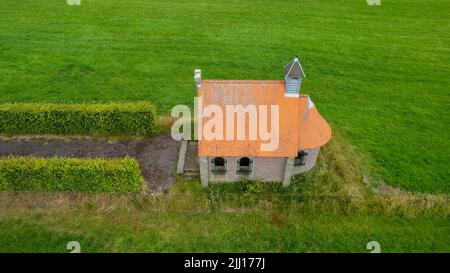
[(300, 124)]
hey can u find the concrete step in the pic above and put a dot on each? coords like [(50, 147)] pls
[(191, 172)]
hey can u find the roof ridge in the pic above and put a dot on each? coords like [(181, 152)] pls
[(244, 81)]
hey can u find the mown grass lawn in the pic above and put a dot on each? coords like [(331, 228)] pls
[(378, 73)]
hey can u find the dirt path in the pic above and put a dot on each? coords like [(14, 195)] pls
[(158, 159), (157, 156)]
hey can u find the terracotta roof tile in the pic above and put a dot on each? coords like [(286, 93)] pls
[(300, 125)]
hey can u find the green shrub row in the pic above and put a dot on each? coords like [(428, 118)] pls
[(112, 119), (70, 174)]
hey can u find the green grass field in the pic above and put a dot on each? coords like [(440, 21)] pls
[(122, 231), (380, 74)]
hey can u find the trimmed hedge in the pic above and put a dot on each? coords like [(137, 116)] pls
[(112, 119), (70, 174)]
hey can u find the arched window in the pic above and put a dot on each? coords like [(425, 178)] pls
[(219, 161), (300, 159), (244, 165), (218, 164)]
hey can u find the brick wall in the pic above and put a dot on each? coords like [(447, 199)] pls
[(264, 168), (310, 161)]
